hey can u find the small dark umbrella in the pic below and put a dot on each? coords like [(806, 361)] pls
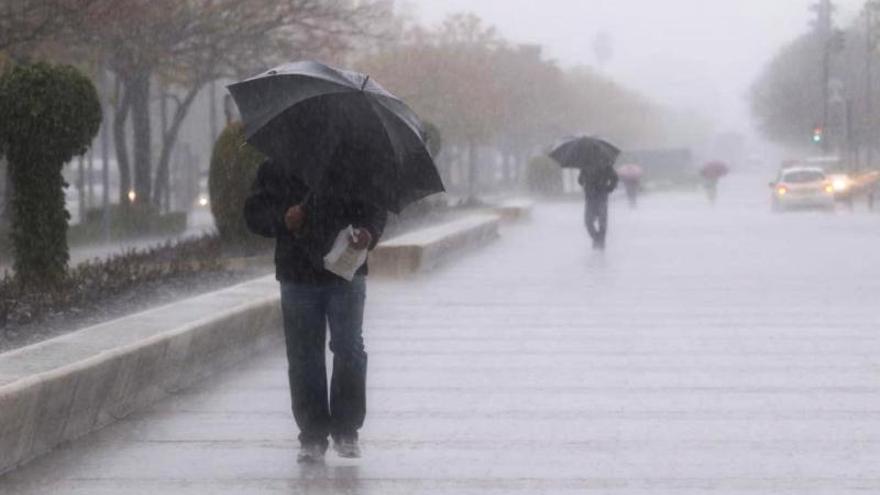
[(340, 132), (585, 152), (714, 170), (630, 171)]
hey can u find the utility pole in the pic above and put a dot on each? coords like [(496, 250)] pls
[(871, 9), (824, 26)]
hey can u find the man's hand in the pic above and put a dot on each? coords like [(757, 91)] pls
[(362, 239), (294, 218)]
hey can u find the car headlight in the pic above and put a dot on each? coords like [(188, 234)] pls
[(781, 191), (203, 200), (840, 185)]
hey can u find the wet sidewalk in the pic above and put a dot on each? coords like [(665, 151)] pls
[(708, 351)]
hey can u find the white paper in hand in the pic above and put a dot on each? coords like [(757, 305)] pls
[(343, 259)]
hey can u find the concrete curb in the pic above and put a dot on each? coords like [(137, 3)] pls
[(428, 248), (63, 388), (513, 210)]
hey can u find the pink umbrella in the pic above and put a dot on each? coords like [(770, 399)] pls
[(630, 171), (714, 170)]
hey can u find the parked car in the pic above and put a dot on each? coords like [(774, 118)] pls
[(802, 187)]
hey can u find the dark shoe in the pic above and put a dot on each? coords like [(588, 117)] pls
[(347, 446), (311, 453)]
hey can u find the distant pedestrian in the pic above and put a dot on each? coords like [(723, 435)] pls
[(598, 184), (711, 173), (305, 227), (631, 176)]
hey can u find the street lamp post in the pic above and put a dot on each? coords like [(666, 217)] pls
[(871, 9), (824, 26)]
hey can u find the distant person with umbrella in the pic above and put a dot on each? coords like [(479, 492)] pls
[(595, 158), (712, 172), (631, 176), (341, 152)]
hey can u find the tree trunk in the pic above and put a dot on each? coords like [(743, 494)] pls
[(120, 141), (90, 183), (473, 177), (6, 201), (105, 157), (169, 141), (212, 94), (161, 180), (139, 89), (81, 188)]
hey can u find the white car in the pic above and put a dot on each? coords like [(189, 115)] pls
[(802, 187)]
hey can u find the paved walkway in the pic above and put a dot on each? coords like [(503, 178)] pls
[(708, 351)]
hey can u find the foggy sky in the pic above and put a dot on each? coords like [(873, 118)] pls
[(699, 54)]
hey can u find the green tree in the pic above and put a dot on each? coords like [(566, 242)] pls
[(49, 114), (786, 99)]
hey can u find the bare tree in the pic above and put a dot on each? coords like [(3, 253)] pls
[(481, 91), (189, 43), (28, 22)]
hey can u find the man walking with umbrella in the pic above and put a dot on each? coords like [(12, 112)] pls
[(598, 184), (595, 158), (312, 297), (342, 151)]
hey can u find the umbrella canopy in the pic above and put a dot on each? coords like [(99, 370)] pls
[(714, 170), (340, 132), (630, 171), (585, 152)]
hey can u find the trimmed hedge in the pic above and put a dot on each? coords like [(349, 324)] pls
[(544, 176), (48, 115)]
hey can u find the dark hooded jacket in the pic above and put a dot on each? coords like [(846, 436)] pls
[(598, 182), (299, 258)]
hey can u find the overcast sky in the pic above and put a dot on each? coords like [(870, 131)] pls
[(701, 54)]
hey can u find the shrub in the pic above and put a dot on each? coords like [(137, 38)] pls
[(91, 285), (544, 176), (433, 139), (234, 165), (50, 114)]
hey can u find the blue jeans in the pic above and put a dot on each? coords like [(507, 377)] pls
[(596, 218), (307, 311)]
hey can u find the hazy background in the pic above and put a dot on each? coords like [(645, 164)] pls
[(696, 54)]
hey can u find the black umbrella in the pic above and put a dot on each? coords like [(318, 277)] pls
[(585, 152), (340, 132)]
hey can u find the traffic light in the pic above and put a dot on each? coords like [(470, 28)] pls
[(818, 135)]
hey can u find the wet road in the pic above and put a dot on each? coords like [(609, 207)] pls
[(709, 350)]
